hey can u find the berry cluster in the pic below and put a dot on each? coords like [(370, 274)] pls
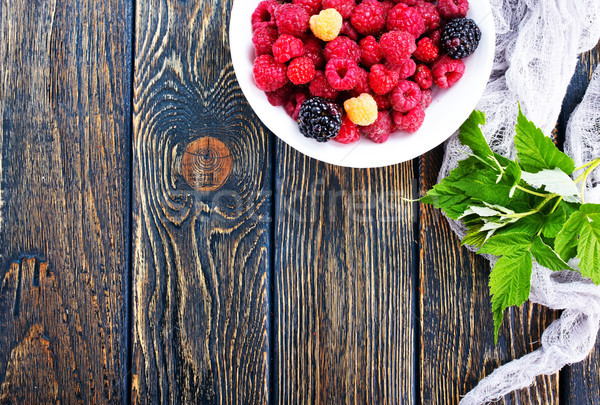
[(343, 68)]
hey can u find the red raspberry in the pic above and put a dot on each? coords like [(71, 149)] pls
[(426, 51), (436, 38), (320, 87), (380, 130), (410, 121), (269, 75), (450, 9), (342, 74), (314, 51), (387, 5), (446, 71), (406, 69), (430, 14), (263, 39), (349, 31), (406, 95), (342, 48), (291, 19), (370, 52), (383, 80), (423, 77), (344, 7), (301, 70), (397, 46), (383, 102), (348, 132), (280, 96), (362, 84), (287, 47), (312, 7), (405, 18), (294, 102), (263, 14), (368, 17), (407, 2), (426, 98)]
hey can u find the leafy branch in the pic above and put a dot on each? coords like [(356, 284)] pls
[(522, 210)]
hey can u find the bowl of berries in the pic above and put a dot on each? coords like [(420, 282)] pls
[(362, 83)]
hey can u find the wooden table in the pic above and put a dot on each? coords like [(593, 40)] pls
[(159, 245)]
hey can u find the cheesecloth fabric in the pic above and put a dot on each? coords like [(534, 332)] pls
[(537, 48)]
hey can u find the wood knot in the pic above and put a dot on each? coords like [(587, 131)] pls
[(206, 164)]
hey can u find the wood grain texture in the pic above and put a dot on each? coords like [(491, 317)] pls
[(344, 300), (582, 379), (64, 103), (201, 258), (457, 343)]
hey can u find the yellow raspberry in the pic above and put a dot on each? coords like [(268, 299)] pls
[(327, 24), (361, 110)]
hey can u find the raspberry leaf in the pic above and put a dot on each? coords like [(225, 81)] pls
[(588, 250), (447, 198), (510, 283), (487, 185), (554, 181), (536, 151), (471, 135), (546, 256), (554, 222), (566, 241), (513, 244)]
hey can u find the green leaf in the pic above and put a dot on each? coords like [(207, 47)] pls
[(536, 151), (565, 243), (474, 238), (530, 225), (471, 135), (447, 198), (554, 222), (512, 244), (483, 185), (513, 175), (547, 257), (555, 181), (588, 250), (510, 283), (590, 209)]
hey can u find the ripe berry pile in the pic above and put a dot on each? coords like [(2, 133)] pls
[(343, 68)]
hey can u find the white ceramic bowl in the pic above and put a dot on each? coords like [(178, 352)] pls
[(449, 109)]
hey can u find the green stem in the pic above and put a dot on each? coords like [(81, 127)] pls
[(582, 178), (533, 192), (545, 201), (520, 214), (591, 162), (556, 205)]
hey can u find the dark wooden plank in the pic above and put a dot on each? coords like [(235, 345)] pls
[(582, 380), (65, 134), (344, 302), (457, 344), (201, 209)]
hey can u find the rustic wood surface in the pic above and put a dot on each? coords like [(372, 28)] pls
[(64, 236), (201, 255), (159, 245), (344, 285), (457, 343)]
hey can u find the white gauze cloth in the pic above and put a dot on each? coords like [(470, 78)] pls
[(537, 45)]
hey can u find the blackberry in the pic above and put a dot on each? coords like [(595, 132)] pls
[(319, 119), (460, 37)]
